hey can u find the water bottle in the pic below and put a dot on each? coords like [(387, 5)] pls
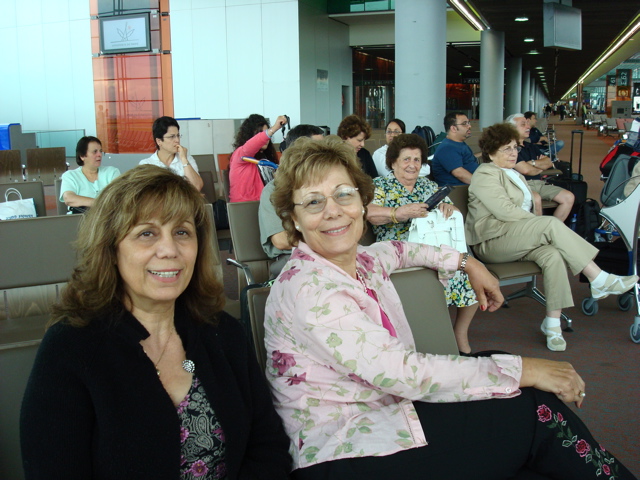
[(574, 221)]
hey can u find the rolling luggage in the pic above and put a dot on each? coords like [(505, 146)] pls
[(573, 181)]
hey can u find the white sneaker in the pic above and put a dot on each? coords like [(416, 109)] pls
[(555, 341), (614, 285)]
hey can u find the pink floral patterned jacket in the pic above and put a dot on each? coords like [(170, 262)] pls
[(343, 385)]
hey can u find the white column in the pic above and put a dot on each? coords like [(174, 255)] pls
[(513, 89), (491, 77), (421, 62)]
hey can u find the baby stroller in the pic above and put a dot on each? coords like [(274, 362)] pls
[(622, 213), (266, 168)]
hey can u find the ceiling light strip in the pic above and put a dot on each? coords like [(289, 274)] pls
[(622, 38), (468, 12)]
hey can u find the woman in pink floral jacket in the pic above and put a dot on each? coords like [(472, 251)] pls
[(355, 397)]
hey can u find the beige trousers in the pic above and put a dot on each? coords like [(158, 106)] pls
[(549, 243)]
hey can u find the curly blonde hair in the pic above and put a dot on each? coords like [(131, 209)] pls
[(142, 193), (307, 162)]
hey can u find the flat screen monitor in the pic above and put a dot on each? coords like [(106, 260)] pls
[(125, 34)]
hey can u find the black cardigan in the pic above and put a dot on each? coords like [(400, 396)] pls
[(95, 408)]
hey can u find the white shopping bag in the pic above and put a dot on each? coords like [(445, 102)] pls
[(14, 209), (435, 230)]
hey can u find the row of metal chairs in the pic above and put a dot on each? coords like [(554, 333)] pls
[(44, 164)]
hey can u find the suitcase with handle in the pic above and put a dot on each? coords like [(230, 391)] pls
[(575, 184)]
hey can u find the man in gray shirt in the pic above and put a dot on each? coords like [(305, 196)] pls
[(272, 235)]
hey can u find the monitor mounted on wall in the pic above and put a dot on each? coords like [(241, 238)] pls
[(125, 34)]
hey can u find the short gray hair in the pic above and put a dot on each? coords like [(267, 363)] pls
[(512, 118)]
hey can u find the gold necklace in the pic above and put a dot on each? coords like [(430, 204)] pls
[(163, 350)]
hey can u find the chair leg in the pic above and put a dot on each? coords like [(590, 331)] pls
[(531, 290)]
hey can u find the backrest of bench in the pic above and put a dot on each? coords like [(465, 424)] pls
[(37, 251)]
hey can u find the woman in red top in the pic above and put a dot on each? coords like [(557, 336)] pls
[(252, 140)]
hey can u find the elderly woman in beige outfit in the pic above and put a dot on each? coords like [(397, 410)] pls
[(503, 226)]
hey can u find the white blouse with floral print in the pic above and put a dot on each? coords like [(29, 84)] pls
[(342, 383)]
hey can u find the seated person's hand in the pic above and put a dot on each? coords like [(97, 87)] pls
[(559, 378), (447, 209), (485, 285), (182, 153), (411, 210), (537, 203)]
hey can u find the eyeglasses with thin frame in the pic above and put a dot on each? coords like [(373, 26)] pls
[(464, 124), (173, 137), (393, 132), (509, 150), (315, 202)]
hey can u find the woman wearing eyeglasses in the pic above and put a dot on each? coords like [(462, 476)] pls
[(394, 128), (170, 154), (356, 398), (503, 225)]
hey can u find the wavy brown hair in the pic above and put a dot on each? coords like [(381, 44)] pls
[(351, 126), (406, 140), (496, 136), (143, 193), (307, 162)]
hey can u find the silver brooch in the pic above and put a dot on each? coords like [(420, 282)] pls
[(189, 366)]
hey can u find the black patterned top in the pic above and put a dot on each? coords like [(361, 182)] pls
[(201, 437)]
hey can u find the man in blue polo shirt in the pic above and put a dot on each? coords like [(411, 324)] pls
[(454, 162)]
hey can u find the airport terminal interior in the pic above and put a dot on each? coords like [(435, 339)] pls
[(109, 69)]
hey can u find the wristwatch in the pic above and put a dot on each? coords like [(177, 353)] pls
[(533, 163)]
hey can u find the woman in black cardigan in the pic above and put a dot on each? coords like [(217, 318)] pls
[(141, 374)]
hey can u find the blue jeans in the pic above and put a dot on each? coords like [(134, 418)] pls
[(552, 149)]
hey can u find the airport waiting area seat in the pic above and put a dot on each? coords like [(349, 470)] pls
[(509, 273), (46, 164), (33, 190), (245, 235), (10, 166), (211, 196), (46, 258)]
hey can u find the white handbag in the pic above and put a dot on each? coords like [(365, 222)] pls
[(14, 209), (435, 230)]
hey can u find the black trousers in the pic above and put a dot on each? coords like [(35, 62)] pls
[(492, 440)]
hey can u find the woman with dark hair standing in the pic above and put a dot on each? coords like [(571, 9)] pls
[(253, 140), (81, 186), (170, 154)]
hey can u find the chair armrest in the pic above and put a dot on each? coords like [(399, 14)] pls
[(245, 268)]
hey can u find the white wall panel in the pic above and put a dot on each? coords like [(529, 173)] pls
[(78, 9), (33, 78), (279, 45), (210, 52), (10, 84), (239, 3), (182, 64), (55, 11), (28, 12), (283, 99), (58, 70), (8, 18), (82, 77), (244, 38), (195, 4)]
